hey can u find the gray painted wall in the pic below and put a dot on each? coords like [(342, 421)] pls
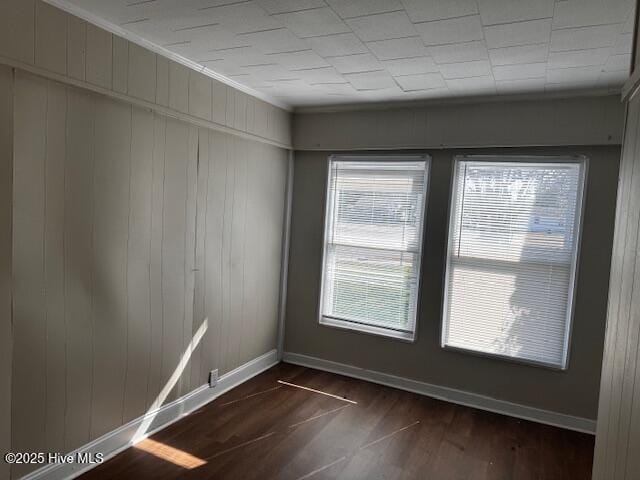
[(129, 229), (573, 392), (498, 123)]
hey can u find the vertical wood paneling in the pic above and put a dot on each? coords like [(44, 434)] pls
[(120, 64), (78, 252), (29, 320), (76, 47), (174, 248), (618, 433), (223, 350), (138, 264), (142, 73), (162, 81), (112, 150), (6, 192), (51, 38), (200, 103), (54, 265), (238, 266), (219, 102), (130, 228), (155, 267), (240, 117), (17, 29), (199, 314), (99, 64), (178, 87), (214, 282), (190, 256), (230, 108)]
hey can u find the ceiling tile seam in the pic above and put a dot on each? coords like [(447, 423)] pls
[(578, 27), (159, 49), (140, 2), (139, 20), (440, 20), (516, 22), (297, 11), (375, 14), (211, 7)]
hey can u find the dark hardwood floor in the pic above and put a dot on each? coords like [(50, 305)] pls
[(265, 429)]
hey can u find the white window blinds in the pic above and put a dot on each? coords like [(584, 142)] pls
[(373, 237), (512, 253)]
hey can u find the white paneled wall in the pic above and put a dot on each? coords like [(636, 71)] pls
[(50, 42), (129, 229), (618, 433)]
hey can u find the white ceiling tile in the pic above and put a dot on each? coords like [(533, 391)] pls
[(410, 66), (324, 75), (498, 11), (423, 81), (623, 44), (284, 6), (519, 54), (398, 48), (476, 68), (521, 33), (313, 23), (382, 26), (517, 72), (584, 37), (427, 10), (615, 78), (299, 60), (359, 8), (287, 48), (459, 52), (335, 45), (370, 80), (472, 86), (526, 85), (274, 41), (618, 62), (362, 62), (453, 30), (579, 58), (579, 13), (569, 75)]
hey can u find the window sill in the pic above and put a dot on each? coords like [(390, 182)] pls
[(368, 329)]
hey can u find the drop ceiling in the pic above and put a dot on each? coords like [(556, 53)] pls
[(329, 52)]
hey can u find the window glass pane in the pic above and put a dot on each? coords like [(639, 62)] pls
[(372, 248), (511, 262)]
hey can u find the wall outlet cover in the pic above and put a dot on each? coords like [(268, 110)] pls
[(213, 378)]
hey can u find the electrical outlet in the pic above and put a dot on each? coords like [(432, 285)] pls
[(213, 378)]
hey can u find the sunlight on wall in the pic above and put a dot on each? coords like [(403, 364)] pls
[(175, 376)]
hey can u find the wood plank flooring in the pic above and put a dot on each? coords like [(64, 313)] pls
[(265, 429)]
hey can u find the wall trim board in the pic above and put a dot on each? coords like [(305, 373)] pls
[(166, 111), (447, 394), (120, 439), (80, 12)]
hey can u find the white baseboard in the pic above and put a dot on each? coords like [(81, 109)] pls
[(121, 438), (460, 397)]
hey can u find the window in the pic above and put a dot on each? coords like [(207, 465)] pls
[(373, 244), (511, 263)]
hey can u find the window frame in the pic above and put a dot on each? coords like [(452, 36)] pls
[(350, 325), (583, 162)]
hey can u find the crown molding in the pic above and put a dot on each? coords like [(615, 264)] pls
[(160, 50)]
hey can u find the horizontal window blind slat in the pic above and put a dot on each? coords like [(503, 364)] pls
[(511, 261), (373, 231)]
